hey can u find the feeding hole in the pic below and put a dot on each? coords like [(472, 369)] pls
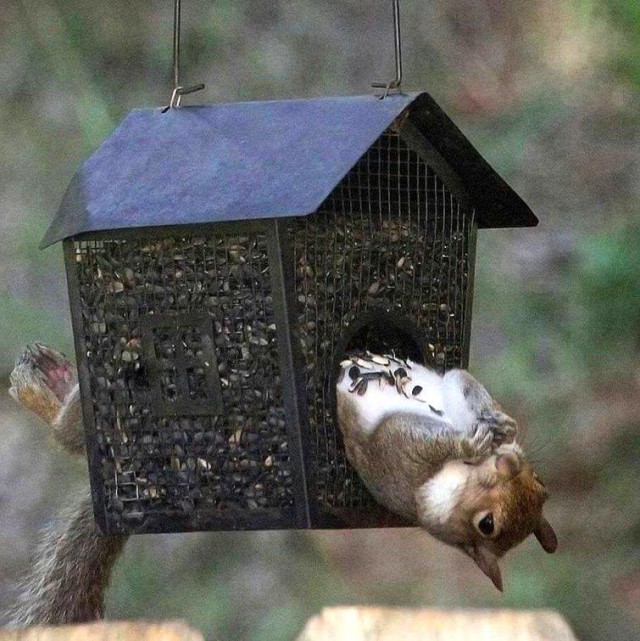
[(381, 333)]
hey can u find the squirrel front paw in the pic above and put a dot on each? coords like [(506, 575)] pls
[(501, 425)]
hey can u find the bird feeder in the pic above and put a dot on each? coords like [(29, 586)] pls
[(223, 259)]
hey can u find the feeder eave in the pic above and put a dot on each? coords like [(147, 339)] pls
[(76, 219), (497, 204)]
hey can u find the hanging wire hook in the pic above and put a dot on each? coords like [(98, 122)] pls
[(178, 89), (393, 85)]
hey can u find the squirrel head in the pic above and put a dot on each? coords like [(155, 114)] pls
[(485, 507)]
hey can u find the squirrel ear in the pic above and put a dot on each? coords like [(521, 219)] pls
[(546, 536), (487, 561), (508, 465)]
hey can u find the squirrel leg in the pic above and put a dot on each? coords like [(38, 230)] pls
[(45, 382), (476, 409), (73, 564)]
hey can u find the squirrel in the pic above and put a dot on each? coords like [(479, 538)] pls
[(73, 566), (439, 451), (434, 449)]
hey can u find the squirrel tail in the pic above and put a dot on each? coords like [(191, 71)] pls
[(71, 573)]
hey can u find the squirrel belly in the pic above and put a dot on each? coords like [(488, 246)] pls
[(386, 385)]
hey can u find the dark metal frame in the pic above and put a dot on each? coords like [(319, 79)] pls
[(283, 287), (466, 343), (84, 377)]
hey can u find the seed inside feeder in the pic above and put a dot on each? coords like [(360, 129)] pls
[(194, 465)]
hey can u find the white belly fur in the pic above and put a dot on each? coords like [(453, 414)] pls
[(439, 496), (381, 398)]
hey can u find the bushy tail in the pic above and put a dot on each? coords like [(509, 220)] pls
[(71, 572)]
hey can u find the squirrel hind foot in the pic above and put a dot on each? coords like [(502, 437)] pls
[(45, 382), (53, 367)]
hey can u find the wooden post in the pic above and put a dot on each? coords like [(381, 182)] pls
[(106, 631), (390, 624)]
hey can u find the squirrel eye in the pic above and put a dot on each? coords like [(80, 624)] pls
[(485, 524), (416, 390)]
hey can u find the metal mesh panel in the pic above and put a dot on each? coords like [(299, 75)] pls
[(184, 375), (391, 244)]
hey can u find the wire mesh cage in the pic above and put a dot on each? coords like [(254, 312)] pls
[(208, 350), (182, 358), (384, 265)]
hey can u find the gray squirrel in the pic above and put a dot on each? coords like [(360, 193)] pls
[(436, 450), (439, 451)]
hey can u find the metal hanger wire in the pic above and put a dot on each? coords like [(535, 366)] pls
[(393, 85), (178, 89)]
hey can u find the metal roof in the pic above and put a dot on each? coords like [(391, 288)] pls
[(253, 160)]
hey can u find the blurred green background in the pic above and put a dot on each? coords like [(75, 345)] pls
[(548, 92)]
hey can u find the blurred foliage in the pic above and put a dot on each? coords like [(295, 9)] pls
[(548, 93), (606, 300), (574, 370), (626, 60)]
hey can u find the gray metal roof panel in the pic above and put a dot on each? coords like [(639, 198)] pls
[(222, 162), (251, 160)]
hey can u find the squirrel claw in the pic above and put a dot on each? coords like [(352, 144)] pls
[(501, 425), (481, 438)]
